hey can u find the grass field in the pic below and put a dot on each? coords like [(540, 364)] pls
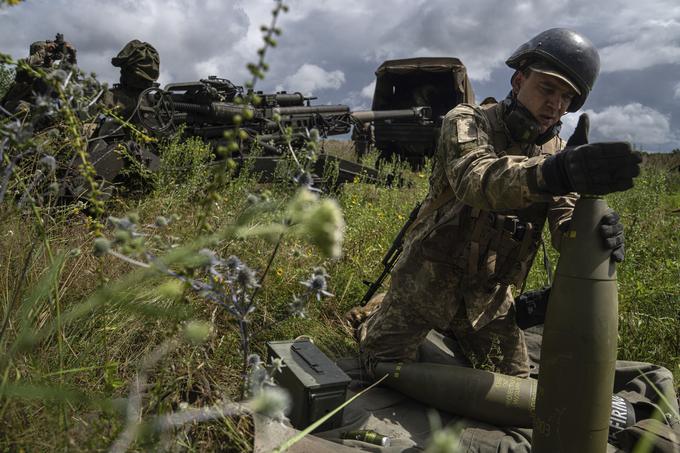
[(77, 326)]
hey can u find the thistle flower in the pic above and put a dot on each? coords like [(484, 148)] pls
[(58, 75), (209, 255), (46, 104), (252, 199), (304, 179), (123, 223), (317, 285), (254, 360), (258, 376), (101, 246), (49, 163), (161, 222), (16, 132), (272, 402), (325, 226), (298, 307), (246, 277), (233, 263)]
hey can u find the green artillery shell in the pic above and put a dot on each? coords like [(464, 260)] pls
[(490, 397), (485, 396), (368, 436), (578, 353)]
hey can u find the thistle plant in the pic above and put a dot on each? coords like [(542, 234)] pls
[(265, 397), (50, 130), (228, 282), (33, 145), (236, 136), (316, 288)]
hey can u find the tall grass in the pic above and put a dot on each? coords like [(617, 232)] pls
[(108, 338), (98, 354)]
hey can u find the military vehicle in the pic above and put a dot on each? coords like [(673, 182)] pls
[(439, 83)]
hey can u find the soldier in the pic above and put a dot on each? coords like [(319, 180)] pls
[(113, 149), (139, 65), (47, 55), (497, 177)]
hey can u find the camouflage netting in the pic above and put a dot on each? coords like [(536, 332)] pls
[(139, 64)]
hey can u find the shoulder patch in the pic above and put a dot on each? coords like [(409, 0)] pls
[(466, 129), (464, 108)]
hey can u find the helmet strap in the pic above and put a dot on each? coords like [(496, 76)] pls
[(522, 125)]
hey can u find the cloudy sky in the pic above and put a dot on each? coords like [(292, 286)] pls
[(331, 48)]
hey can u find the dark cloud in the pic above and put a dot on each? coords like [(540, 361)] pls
[(332, 48), (186, 34)]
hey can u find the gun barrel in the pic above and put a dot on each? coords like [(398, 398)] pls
[(304, 110), (285, 99), (367, 116), (218, 111)]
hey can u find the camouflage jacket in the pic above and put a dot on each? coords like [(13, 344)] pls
[(484, 213), (122, 100)]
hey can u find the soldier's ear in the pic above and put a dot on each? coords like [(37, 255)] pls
[(516, 81)]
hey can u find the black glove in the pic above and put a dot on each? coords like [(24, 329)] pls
[(594, 169), (580, 135), (611, 230)]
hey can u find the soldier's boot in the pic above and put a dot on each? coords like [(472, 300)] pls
[(357, 315)]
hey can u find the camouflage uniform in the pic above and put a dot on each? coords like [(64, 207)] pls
[(139, 65), (476, 235), (112, 149)]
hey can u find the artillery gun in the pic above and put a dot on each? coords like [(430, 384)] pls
[(209, 107)]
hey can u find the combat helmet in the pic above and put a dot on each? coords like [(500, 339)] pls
[(139, 64), (570, 53)]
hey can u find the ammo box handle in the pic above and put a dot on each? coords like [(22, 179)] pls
[(300, 351)]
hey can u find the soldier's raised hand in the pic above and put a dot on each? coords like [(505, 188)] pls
[(580, 135), (595, 169)]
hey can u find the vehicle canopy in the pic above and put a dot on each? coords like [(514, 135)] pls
[(441, 82)]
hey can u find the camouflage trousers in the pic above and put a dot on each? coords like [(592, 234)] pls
[(425, 295)]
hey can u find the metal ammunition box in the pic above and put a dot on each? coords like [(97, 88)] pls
[(316, 384)]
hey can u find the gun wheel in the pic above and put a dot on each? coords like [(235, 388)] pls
[(155, 110)]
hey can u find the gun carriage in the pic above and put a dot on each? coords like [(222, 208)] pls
[(209, 107)]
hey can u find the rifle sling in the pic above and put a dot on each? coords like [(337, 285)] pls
[(443, 198)]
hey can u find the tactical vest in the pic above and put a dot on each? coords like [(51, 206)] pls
[(492, 247)]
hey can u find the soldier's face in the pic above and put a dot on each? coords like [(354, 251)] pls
[(545, 96)]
